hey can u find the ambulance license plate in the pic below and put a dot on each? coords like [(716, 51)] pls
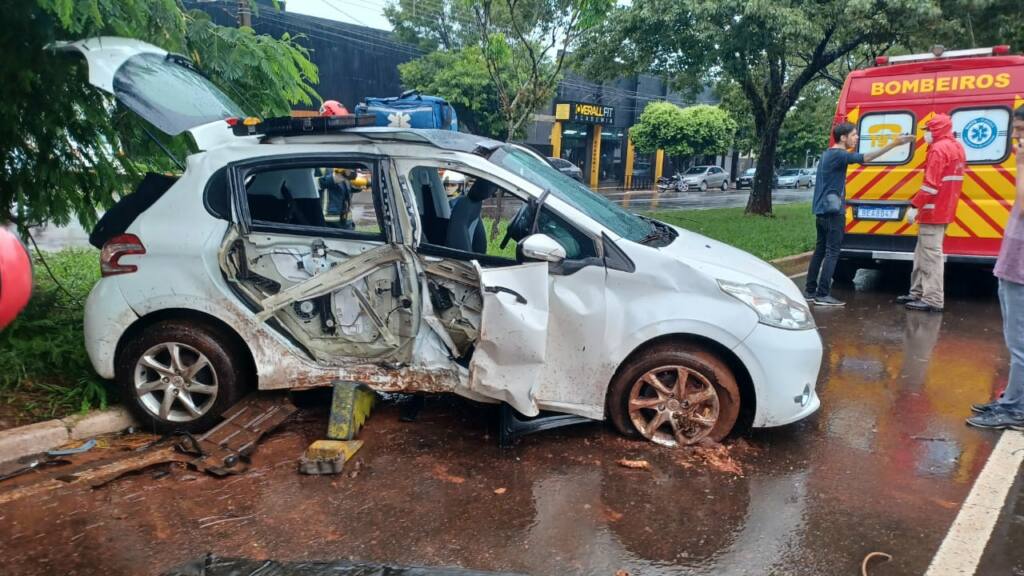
[(878, 212)]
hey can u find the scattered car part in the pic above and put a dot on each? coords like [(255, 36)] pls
[(511, 428), (85, 447), (227, 447), (211, 565), (328, 456)]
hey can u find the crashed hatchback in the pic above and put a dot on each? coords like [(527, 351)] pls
[(290, 260)]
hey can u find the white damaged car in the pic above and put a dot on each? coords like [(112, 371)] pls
[(261, 267)]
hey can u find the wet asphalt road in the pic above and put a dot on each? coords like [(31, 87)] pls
[(884, 466)]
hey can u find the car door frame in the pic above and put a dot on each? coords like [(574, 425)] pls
[(383, 200)]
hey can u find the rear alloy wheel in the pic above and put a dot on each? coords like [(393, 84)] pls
[(179, 377), (725, 185), (675, 395)]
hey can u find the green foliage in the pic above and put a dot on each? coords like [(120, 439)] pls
[(807, 126), (790, 231), (521, 43), (682, 132), (771, 50), (44, 368), (65, 150)]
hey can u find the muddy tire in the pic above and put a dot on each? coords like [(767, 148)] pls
[(180, 375), (706, 406)]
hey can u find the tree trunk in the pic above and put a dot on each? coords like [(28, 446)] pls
[(760, 201), (733, 170)]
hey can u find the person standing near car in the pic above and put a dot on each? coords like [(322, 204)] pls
[(1007, 411), (933, 208), (829, 207)]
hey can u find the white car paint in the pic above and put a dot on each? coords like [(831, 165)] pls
[(559, 350)]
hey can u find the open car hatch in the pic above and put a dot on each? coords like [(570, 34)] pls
[(162, 88)]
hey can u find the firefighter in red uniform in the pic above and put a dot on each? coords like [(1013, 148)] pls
[(934, 207)]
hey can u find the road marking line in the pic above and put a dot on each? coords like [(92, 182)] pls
[(961, 551)]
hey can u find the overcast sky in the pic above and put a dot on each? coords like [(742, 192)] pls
[(364, 12)]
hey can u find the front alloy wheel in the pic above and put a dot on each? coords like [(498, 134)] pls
[(673, 406)]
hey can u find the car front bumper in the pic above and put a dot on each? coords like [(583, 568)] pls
[(784, 367)]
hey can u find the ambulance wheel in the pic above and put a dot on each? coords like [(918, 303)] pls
[(846, 271), (674, 394)]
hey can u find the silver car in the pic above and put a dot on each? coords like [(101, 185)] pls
[(794, 178), (704, 177)]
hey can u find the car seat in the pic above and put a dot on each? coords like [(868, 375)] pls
[(433, 204), (465, 228)]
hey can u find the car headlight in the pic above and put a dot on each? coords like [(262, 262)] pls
[(772, 307)]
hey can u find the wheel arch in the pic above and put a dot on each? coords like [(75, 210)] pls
[(748, 394), (234, 339)]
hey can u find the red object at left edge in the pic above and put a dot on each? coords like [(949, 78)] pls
[(15, 277)]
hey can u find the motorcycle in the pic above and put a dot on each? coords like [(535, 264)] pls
[(672, 184)]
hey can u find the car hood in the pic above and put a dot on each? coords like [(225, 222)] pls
[(722, 261)]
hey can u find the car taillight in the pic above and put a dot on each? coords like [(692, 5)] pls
[(115, 249)]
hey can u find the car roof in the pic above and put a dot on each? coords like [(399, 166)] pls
[(441, 139)]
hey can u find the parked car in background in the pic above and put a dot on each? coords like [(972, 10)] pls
[(746, 179), (811, 173), (793, 178), (568, 168), (704, 177), (642, 174)]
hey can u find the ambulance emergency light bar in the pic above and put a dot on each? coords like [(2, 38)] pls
[(939, 52)]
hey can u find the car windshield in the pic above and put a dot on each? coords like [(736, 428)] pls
[(789, 173), (696, 170), (749, 171), (572, 192)]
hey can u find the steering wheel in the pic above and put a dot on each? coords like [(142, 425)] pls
[(519, 225)]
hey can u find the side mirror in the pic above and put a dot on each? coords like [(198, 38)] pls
[(542, 247)]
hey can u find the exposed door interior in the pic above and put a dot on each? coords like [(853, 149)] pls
[(313, 258)]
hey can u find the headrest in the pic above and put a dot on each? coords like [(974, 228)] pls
[(481, 190)]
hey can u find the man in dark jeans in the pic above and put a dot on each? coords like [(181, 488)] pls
[(829, 207)]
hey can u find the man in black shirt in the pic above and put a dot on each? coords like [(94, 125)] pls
[(829, 207)]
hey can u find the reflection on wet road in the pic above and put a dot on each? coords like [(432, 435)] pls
[(883, 466)]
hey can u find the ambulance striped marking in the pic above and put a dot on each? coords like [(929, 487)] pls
[(903, 229), (906, 179), (967, 200), (1006, 174), (975, 177), (864, 189)]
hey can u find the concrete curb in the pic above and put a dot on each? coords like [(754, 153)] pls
[(793, 265), (43, 436)]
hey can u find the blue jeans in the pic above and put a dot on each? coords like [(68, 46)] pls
[(826, 253), (1011, 299)]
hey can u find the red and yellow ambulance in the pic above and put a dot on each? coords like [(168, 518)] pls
[(978, 89)]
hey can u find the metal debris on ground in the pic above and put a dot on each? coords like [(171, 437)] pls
[(211, 565), (226, 448), (223, 450), (84, 447), (328, 456)]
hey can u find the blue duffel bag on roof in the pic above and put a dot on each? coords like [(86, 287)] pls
[(411, 110)]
